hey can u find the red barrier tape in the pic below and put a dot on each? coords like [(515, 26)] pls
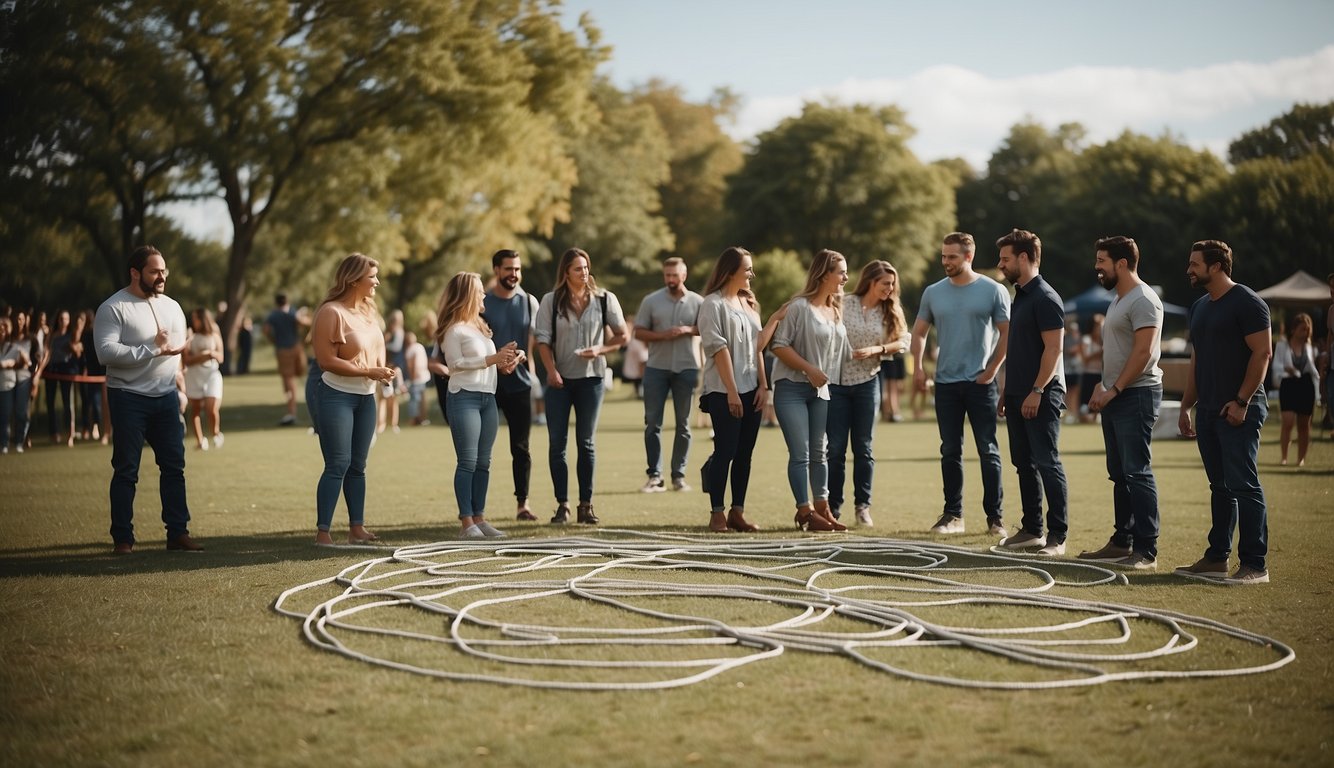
[(77, 378)]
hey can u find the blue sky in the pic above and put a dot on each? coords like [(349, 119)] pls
[(966, 71)]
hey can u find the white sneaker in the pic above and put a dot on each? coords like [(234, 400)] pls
[(473, 532), (864, 516), (654, 484), (218, 440), (680, 484), (1024, 540), (948, 524), (1053, 550), (490, 531)]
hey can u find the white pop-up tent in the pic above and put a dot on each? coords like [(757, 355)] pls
[(1300, 289)]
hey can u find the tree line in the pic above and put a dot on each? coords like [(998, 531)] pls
[(429, 133)]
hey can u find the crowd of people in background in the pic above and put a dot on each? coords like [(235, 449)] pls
[(825, 368)]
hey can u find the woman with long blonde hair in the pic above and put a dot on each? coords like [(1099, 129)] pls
[(810, 345), (203, 377), (876, 328), (577, 326), (474, 366), (349, 347)]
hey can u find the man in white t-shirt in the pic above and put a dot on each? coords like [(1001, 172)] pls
[(140, 334)]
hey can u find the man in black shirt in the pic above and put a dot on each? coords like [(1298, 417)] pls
[(1034, 395), (1230, 335)]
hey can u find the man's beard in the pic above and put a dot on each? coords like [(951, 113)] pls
[(1108, 281), (152, 289), (510, 283)]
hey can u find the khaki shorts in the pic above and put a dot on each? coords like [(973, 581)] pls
[(291, 362)]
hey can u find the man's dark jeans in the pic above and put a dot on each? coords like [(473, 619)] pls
[(1127, 431), (978, 402), (136, 419), (1036, 456), (1236, 498)]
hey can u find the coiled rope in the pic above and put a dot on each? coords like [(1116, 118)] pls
[(466, 587)]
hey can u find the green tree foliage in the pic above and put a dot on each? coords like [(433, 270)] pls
[(253, 101), (615, 209), (1277, 215), (1025, 185), (779, 275), (702, 157), (1306, 129), (843, 178), (86, 135), (1147, 188)]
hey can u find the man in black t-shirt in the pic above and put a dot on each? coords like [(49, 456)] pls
[(509, 310), (1230, 334), (1034, 396)]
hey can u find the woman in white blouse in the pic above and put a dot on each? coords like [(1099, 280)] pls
[(577, 326), (349, 347), (1296, 376), (464, 340), (810, 345), (876, 327), (203, 379)]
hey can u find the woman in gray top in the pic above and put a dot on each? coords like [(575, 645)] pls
[(811, 345), (573, 341), (735, 390)]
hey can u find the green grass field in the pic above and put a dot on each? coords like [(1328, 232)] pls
[(166, 659)]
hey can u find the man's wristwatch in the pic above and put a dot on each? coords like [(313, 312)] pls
[(1241, 402), (1037, 390)]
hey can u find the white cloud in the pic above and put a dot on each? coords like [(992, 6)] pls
[(959, 112)]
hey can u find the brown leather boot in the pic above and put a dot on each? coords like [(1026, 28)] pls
[(736, 520)]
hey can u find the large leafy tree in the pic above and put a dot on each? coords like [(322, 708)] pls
[(246, 100), (702, 157), (615, 209), (843, 178), (1306, 129)]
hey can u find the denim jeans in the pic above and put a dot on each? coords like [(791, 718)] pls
[(53, 427), (7, 409), (22, 404), (584, 396), (803, 417), (658, 382), (416, 391), (473, 421), (733, 444), (978, 402), (313, 374), (518, 410), (1127, 433), (136, 419), (1236, 498), (92, 405), (347, 424), (852, 410), (1036, 455)]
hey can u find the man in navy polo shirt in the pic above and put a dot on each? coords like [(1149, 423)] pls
[(1034, 395)]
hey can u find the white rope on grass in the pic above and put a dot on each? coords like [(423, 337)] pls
[(465, 584)]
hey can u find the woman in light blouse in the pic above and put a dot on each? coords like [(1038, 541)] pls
[(1297, 379), (464, 340), (349, 347), (811, 345), (876, 327), (734, 387), (577, 325)]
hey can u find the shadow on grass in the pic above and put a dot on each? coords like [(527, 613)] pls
[(95, 558)]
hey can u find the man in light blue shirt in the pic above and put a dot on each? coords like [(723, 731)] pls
[(668, 323), (971, 313)]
